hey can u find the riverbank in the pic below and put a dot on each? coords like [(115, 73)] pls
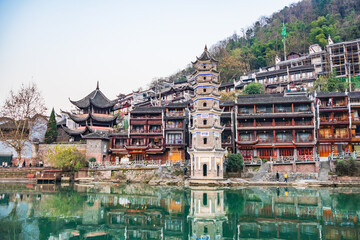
[(166, 176)]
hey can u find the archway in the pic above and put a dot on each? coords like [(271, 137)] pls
[(218, 170), (204, 170)]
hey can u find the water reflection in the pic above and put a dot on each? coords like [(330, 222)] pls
[(144, 212)]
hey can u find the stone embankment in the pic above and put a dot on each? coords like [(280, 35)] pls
[(150, 175)]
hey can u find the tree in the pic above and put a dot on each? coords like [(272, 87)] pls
[(329, 83), (66, 158), (254, 88), (234, 162), (19, 109), (51, 132)]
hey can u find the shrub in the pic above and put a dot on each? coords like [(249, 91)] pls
[(92, 159), (234, 162), (66, 158), (346, 167)]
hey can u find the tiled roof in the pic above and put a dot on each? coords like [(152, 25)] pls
[(331, 94), (226, 84), (270, 98), (97, 98), (76, 131), (95, 135), (354, 94), (293, 69), (148, 110), (103, 117)]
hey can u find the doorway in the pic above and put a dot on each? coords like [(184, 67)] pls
[(204, 170)]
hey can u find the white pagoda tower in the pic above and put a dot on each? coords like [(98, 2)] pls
[(206, 152)]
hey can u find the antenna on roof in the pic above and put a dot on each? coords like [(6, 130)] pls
[(97, 85)]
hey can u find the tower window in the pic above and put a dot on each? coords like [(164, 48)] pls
[(204, 66), (205, 140), (204, 78), (204, 90), (205, 122), (204, 104)]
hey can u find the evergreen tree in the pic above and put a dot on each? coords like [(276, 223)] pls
[(254, 88), (51, 132)]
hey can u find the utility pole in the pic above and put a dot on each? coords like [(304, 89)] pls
[(350, 77), (283, 34)]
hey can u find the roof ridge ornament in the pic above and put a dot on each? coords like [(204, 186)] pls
[(97, 85), (205, 49)]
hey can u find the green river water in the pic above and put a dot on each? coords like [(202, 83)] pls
[(31, 211)]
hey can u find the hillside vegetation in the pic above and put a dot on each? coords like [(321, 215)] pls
[(307, 22)]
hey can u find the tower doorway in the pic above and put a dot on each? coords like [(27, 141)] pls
[(204, 170)]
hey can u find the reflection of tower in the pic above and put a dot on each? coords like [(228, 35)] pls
[(206, 152), (207, 214)]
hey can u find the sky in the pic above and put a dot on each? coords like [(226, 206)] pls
[(66, 46)]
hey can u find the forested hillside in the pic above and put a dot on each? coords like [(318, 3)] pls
[(307, 22)]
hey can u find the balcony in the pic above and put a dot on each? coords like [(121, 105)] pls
[(246, 124), (174, 125), (356, 119), (283, 123), (246, 137), (246, 110), (303, 137), (174, 141), (284, 139), (265, 138), (302, 108), (333, 136), (281, 109), (175, 114), (263, 109), (155, 145), (138, 130), (263, 124), (303, 123), (119, 146)]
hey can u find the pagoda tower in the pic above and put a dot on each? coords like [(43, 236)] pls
[(207, 214), (95, 115), (206, 153)]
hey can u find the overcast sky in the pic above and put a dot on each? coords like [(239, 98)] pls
[(66, 46)]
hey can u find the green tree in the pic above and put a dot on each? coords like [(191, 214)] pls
[(234, 162), (66, 158), (329, 83), (254, 88), (51, 132)]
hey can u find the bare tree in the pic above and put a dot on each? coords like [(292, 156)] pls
[(18, 115)]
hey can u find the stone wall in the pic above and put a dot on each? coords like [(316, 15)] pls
[(97, 148), (306, 167), (151, 175), (44, 148)]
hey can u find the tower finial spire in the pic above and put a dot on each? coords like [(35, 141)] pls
[(97, 85), (205, 49)]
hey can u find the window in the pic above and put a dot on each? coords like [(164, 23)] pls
[(204, 67), (204, 90), (205, 122), (204, 78), (205, 140), (204, 104)]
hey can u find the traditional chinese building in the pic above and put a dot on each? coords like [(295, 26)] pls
[(94, 115), (333, 123), (206, 153), (176, 131), (275, 127), (355, 120)]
